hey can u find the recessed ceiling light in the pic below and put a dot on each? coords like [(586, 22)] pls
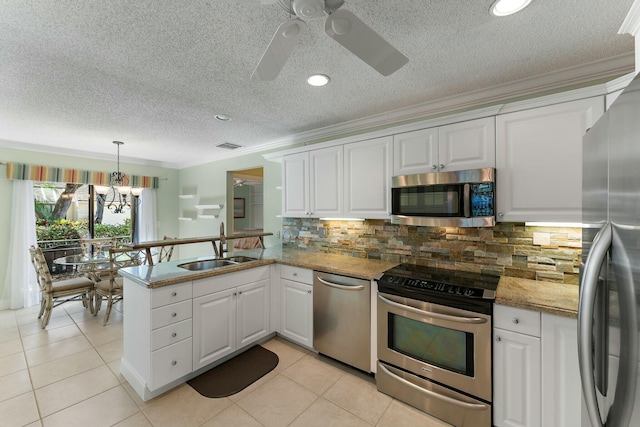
[(508, 7), (223, 117), (318, 80)]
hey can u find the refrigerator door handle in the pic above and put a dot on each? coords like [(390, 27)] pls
[(591, 273)]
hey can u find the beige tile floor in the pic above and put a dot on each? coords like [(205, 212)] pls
[(68, 375)]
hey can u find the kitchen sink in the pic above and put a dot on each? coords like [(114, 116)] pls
[(240, 258), (207, 264)]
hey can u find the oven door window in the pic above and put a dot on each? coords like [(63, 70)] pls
[(432, 200), (446, 348)]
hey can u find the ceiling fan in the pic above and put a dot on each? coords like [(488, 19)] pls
[(341, 25)]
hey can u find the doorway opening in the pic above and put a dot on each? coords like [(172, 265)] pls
[(245, 200)]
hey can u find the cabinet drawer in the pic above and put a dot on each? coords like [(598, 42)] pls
[(168, 314), (171, 334), (170, 294), (297, 274), (226, 281), (517, 320), (170, 363)]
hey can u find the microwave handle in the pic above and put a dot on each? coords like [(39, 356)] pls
[(467, 200)]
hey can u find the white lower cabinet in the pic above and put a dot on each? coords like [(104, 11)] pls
[(157, 336), (535, 369), (516, 367), (227, 317), (561, 387), (296, 305)]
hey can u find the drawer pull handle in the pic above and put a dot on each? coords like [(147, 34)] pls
[(174, 363), (498, 339), (173, 294), (174, 334), (174, 314), (516, 320)]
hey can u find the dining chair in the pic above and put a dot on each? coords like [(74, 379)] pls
[(90, 246), (166, 251), (52, 294), (110, 289)]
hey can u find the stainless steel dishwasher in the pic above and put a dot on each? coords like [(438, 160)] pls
[(342, 318)]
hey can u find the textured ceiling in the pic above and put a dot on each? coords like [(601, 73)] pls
[(76, 75)]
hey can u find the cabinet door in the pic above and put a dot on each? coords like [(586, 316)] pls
[(516, 379), (296, 315), (467, 145), (367, 175), (214, 327), (326, 182), (295, 179), (561, 397), (539, 161), (415, 152), (253, 312)]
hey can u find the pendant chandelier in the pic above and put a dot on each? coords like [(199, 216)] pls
[(116, 197)]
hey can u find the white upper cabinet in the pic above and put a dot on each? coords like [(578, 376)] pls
[(459, 146), (415, 152), (467, 145), (539, 161), (367, 172), (313, 183), (326, 183), (295, 177)]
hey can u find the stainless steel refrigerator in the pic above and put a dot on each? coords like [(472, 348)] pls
[(609, 311)]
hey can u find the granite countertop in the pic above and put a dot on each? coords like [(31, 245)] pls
[(554, 298), (548, 297), (168, 273)]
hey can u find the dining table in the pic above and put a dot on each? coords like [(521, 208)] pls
[(97, 264)]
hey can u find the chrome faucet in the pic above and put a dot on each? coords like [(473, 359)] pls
[(223, 241)]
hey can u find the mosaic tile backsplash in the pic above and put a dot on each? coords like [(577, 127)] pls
[(511, 249)]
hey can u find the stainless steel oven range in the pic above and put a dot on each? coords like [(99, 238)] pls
[(434, 341)]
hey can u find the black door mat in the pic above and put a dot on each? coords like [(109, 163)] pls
[(235, 374)]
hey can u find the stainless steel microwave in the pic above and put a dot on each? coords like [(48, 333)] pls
[(445, 199)]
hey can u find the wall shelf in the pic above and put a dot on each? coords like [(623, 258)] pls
[(203, 207), (187, 196)]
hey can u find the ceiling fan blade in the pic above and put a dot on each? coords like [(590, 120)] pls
[(257, 1), (282, 44), (348, 30)]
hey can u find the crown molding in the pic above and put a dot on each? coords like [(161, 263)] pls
[(631, 23)]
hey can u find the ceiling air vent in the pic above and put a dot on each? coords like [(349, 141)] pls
[(228, 146)]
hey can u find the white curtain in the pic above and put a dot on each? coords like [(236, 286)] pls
[(147, 224), (20, 286)]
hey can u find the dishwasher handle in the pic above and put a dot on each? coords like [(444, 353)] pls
[(342, 287)]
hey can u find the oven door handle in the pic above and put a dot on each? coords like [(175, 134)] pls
[(457, 319), (450, 400), (343, 287)]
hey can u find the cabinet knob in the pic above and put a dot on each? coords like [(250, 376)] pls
[(239, 292), (498, 339), (500, 214), (434, 167), (308, 292), (174, 335), (295, 274), (235, 293), (515, 320), (441, 165), (174, 363), (173, 294), (174, 314)]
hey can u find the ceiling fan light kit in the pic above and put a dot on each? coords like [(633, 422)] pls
[(341, 25)]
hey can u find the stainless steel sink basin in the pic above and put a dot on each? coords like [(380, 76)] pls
[(206, 264), (240, 258)]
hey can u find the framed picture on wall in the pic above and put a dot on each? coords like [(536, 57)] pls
[(238, 207)]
